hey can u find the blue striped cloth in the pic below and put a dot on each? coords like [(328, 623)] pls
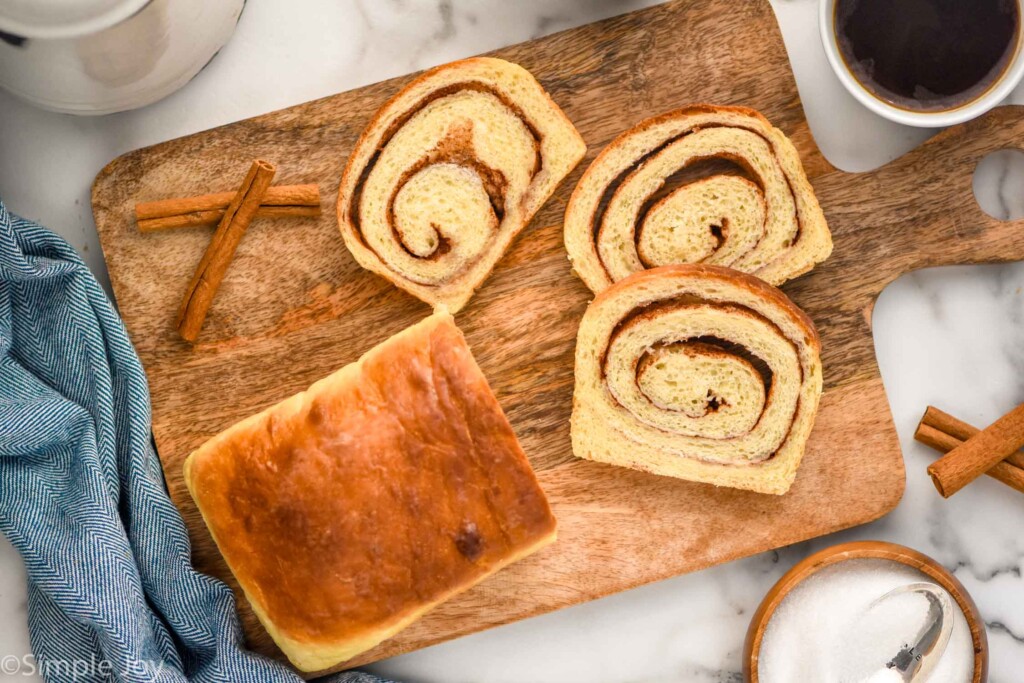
[(112, 594)]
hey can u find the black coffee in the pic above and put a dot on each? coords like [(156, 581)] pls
[(928, 55)]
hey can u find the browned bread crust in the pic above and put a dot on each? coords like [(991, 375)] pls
[(349, 510)]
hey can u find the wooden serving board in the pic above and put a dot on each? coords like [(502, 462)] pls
[(295, 306)]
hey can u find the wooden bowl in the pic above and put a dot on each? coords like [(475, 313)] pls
[(860, 550)]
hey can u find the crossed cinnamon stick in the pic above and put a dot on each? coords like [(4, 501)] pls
[(971, 452), (280, 201), (231, 212)]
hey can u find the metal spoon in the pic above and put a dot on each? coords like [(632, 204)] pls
[(899, 637)]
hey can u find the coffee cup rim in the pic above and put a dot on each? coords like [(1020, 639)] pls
[(999, 91)]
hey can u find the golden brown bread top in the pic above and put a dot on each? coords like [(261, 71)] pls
[(386, 486)]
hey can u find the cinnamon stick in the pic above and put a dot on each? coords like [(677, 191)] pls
[(960, 430), (1009, 474), (979, 453), (208, 209), (219, 253)]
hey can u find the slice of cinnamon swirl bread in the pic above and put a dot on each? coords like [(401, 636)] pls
[(450, 170), (704, 184), (697, 372)]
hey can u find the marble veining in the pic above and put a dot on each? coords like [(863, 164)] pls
[(953, 337)]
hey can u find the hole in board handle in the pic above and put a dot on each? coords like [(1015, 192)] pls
[(999, 184)]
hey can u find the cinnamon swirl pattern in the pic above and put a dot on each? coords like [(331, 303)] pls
[(449, 172), (652, 198), (697, 372)]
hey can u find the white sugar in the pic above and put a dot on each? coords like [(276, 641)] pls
[(808, 637)]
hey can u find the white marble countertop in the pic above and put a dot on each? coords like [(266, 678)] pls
[(953, 336)]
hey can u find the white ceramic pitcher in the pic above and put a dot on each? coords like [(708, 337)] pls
[(103, 56)]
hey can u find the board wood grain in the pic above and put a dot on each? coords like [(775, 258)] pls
[(295, 306)]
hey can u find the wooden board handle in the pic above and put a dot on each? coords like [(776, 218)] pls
[(972, 235), (923, 212)]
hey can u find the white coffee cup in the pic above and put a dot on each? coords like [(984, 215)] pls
[(995, 94)]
